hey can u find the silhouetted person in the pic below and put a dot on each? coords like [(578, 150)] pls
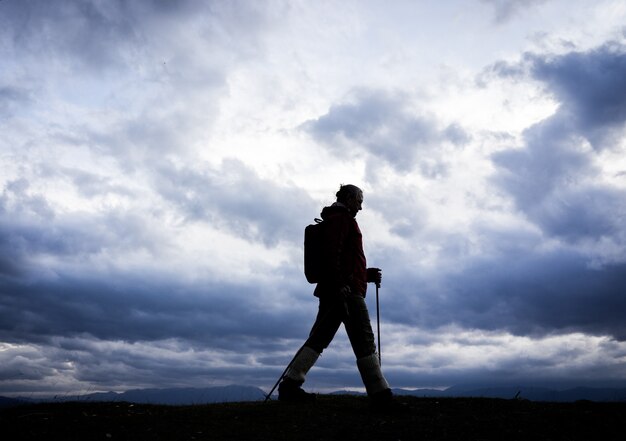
[(341, 294)]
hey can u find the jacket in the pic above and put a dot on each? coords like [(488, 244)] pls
[(342, 251)]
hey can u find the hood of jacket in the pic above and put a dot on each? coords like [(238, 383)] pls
[(335, 209)]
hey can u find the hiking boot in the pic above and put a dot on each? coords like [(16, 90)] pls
[(290, 391)]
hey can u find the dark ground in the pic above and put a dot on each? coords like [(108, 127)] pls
[(330, 418)]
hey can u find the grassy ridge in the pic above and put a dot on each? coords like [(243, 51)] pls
[(331, 418)]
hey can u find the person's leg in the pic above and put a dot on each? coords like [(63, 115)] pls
[(322, 333), (359, 329), (329, 317), (290, 388)]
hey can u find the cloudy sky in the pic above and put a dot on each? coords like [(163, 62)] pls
[(159, 161)]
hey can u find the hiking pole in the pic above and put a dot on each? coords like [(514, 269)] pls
[(267, 397), (380, 362)]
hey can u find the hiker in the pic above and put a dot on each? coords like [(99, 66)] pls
[(341, 292)]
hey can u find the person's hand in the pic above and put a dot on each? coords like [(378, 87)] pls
[(374, 275)]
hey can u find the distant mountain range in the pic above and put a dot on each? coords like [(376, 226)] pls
[(181, 396), (236, 393), (527, 393), (172, 396)]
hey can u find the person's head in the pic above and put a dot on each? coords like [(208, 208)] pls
[(351, 196)]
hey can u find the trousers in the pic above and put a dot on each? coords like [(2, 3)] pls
[(352, 312)]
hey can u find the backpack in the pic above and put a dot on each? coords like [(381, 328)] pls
[(313, 265)]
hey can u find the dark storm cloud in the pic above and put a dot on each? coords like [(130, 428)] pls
[(553, 178), (134, 308), (144, 329), (73, 298), (114, 365), (384, 126), (549, 161), (541, 294), (594, 212), (39, 302), (516, 290), (591, 88), (556, 181), (550, 180), (30, 228), (23, 364)]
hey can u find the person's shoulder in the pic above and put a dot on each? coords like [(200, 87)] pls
[(334, 212)]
